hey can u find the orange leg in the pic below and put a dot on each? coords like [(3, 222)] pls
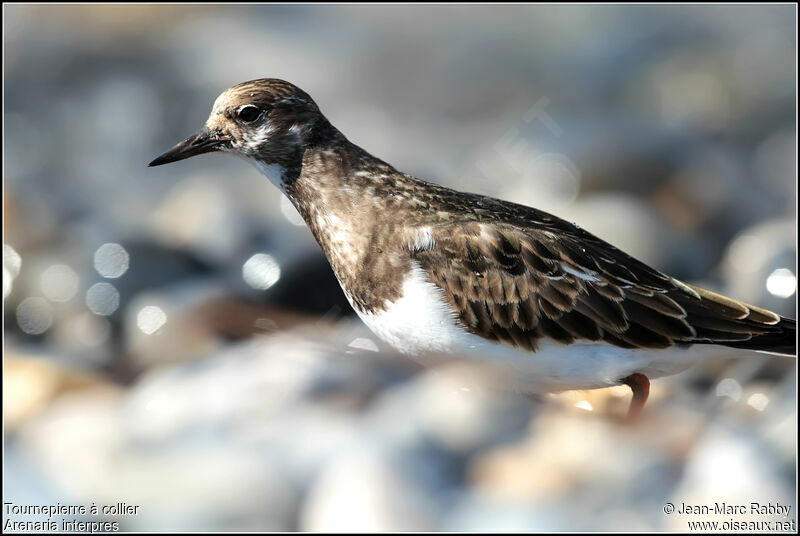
[(640, 386)]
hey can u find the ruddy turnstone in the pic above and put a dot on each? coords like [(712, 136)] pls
[(431, 270)]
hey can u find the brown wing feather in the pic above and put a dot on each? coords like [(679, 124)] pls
[(517, 285)]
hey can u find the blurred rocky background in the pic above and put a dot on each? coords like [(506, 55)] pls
[(174, 339)]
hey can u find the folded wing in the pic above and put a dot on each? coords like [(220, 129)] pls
[(517, 285)]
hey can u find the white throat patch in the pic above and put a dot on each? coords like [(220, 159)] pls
[(274, 172)]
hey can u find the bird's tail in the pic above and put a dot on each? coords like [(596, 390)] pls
[(782, 341), (721, 320)]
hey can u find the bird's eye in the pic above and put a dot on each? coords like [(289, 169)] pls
[(249, 113)]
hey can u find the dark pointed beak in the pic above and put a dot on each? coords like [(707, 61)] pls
[(203, 141)]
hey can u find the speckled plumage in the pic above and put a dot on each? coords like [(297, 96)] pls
[(509, 274)]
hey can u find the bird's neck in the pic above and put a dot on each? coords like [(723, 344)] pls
[(333, 177), (341, 192)]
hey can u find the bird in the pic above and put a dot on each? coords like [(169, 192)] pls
[(543, 303)]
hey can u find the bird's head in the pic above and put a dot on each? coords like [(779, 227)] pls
[(267, 121)]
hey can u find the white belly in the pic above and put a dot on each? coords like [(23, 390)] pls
[(422, 324)]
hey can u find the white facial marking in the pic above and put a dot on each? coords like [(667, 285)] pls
[(260, 136)]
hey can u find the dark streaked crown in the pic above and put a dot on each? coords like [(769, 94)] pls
[(267, 92)]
